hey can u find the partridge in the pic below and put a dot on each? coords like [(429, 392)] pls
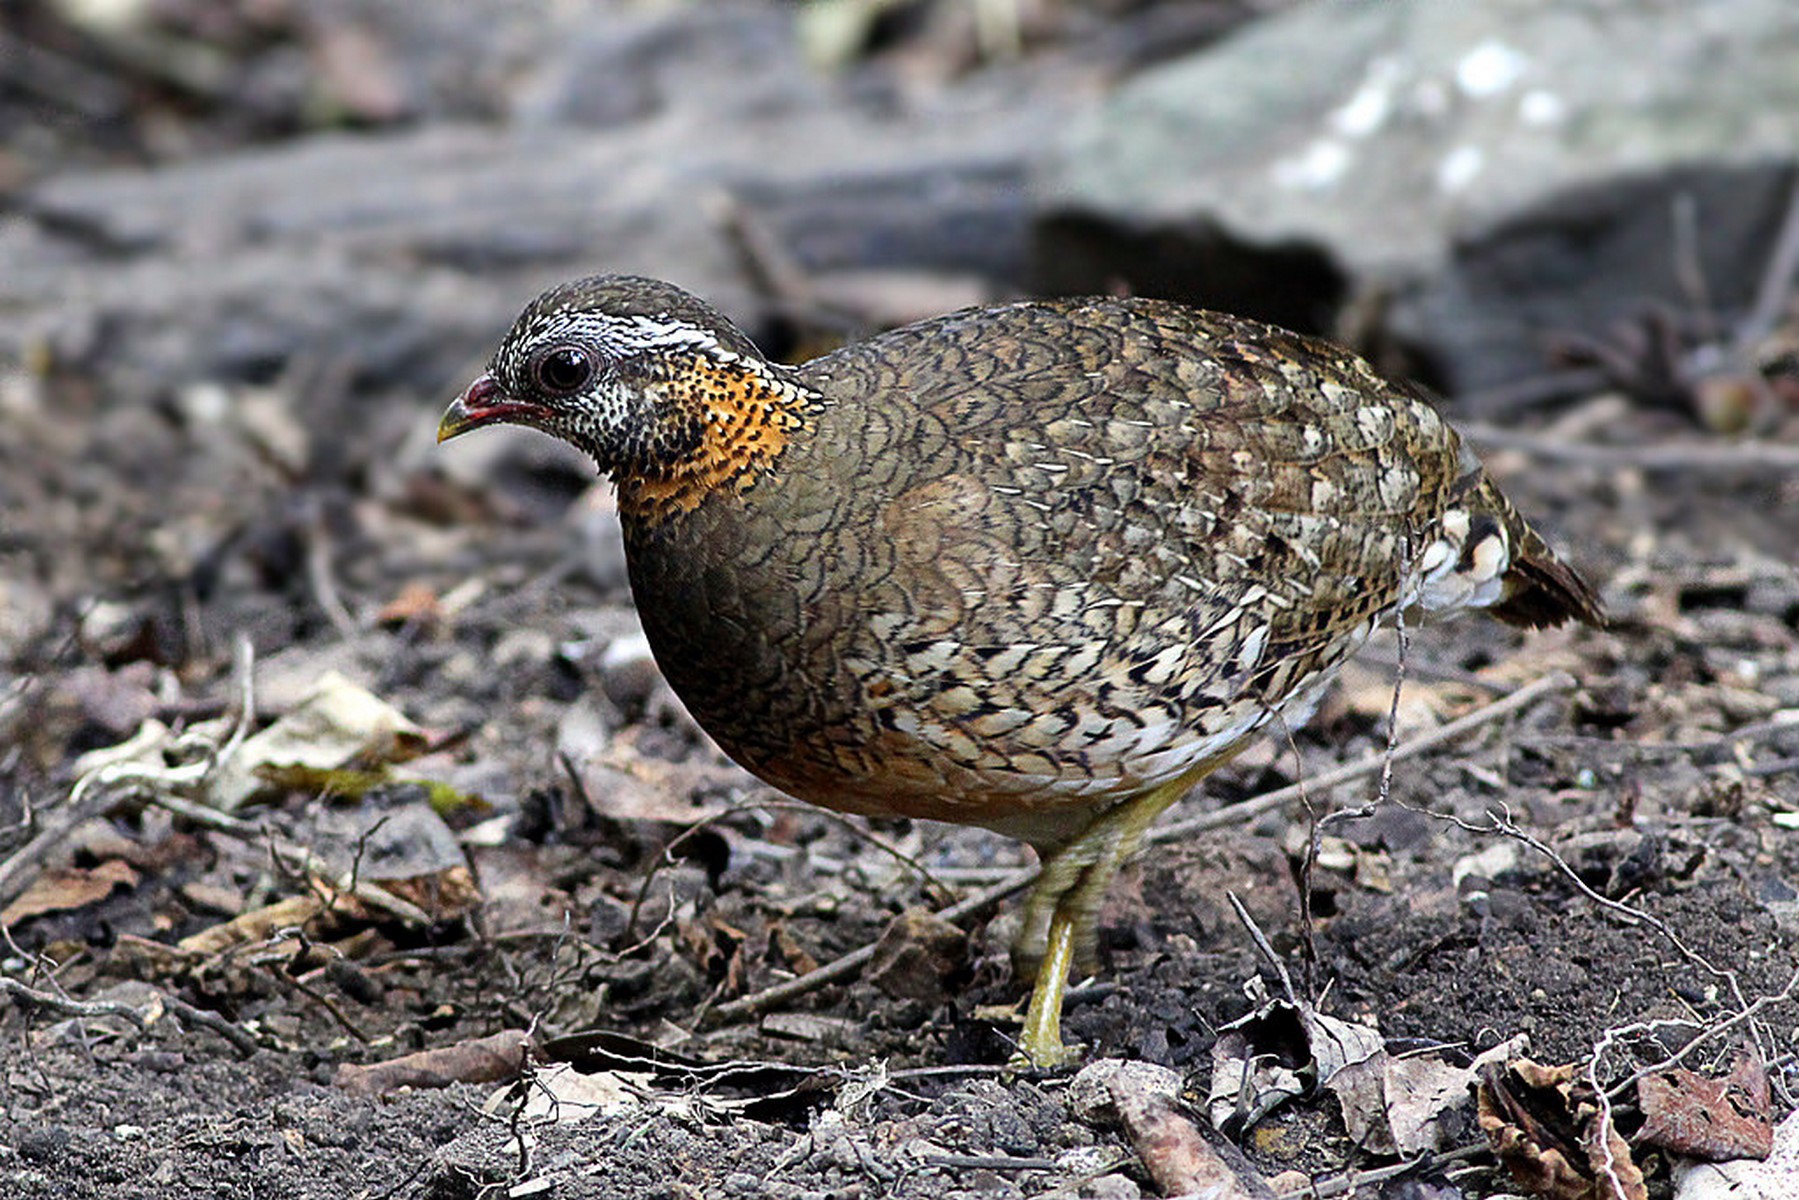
[(1038, 567)]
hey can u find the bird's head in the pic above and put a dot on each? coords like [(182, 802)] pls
[(658, 386)]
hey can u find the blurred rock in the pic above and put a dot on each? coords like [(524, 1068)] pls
[(920, 956), (26, 612), (707, 58), (1466, 161), (628, 673), (595, 521), (397, 256)]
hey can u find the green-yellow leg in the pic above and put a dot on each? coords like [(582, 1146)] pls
[(1066, 898), (1041, 1043)]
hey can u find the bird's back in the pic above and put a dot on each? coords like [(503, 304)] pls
[(1020, 559)]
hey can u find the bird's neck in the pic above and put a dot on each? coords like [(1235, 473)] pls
[(748, 411)]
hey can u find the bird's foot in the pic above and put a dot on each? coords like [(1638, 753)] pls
[(1041, 1045), (1047, 1056)]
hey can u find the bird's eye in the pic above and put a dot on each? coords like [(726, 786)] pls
[(564, 370)]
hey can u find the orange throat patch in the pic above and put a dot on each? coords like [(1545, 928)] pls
[(749, 415)]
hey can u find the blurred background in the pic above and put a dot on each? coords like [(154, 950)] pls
[(246, 250)]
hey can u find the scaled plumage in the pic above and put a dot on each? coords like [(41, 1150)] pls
[(1037, 567)]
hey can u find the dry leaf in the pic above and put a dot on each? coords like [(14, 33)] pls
[(69, 888), (1253, 1060), (1545, 1125), (1711, 1119), (561, 1095), (257, 925), (483, 1060), (417, 603), (918, 957), (336, 723), (1776, 1178)]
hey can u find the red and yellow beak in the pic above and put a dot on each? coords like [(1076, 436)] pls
[(485, 403)]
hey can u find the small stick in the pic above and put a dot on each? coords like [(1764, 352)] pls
[(87, 1009), (1530, 693), (18, 869), (319, 576), (791, 989), (1663, 456), (1777, 282), (100, 789), (855, 960)]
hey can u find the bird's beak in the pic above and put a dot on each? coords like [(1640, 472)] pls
[(484, 403)]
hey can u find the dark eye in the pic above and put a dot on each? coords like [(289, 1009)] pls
[(564, 370)]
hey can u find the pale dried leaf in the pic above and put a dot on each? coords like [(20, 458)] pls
[(561, 1095), (69, 888), (336, 723)]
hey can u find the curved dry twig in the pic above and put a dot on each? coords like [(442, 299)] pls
[(841, 968)]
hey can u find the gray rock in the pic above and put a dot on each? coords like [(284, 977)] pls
[(1500, 169), (709, 58), (594, 519), (628, 672)]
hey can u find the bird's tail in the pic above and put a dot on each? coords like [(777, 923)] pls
[(1537, 589)]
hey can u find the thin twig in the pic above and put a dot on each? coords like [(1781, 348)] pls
[(1353, 1182), (103, 787), (319, 575), (666, 857), (1707, 1033), (1317, 824), (28, 861), (855, 960), (1264, 947), (781, 993), (300, 862), (189, 1014), (1663, 456), (325, 1002), (1777, 281), (1501, 823), (1530, 693), (1723, 746), (86, 1009), (1533, 392), (1689, 267)]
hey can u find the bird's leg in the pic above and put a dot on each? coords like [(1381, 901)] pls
[(1064, 908)]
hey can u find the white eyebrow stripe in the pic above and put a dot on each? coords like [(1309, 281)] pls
[(621, 335)]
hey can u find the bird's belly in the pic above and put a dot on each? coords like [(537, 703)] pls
[(1036, 774)]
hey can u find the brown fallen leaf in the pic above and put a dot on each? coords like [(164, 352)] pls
[(257, 925), (918, 957), (795, 956), (417, 603), (483, 1060), (1545, 1125), (1714, 1120), (1146, 1100), (68, 889), (446, 895)]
